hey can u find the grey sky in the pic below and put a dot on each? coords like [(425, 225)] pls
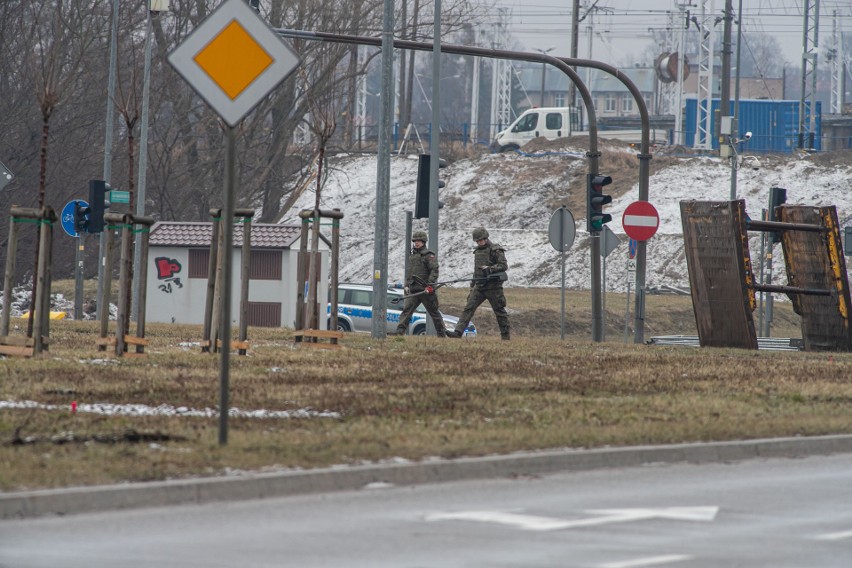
[(621, 27)]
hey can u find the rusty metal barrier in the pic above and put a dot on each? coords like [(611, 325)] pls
[(814, 260), (723, 285), (720, 276)]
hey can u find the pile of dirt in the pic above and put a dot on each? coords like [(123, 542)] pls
[(619, 160)]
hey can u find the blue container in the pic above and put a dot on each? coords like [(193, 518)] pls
[(774, 125)]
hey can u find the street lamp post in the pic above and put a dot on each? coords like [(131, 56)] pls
[(543, 70)]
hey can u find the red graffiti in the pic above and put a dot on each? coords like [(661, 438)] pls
[(166, 267)]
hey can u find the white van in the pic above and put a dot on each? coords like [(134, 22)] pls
[(549, 122)]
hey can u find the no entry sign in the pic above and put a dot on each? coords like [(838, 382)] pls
[(640, 220)]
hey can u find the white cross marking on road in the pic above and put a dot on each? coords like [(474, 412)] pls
[(536, 523), (835, 536), (642, 562)]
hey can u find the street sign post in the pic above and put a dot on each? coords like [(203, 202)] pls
[(233, 59), (631, 279), (640, 220), (561, 232), (609, 242), (5, 176), (67, 218), (118, 196)]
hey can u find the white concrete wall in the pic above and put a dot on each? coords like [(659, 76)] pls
[(180, 299), (176, 298)]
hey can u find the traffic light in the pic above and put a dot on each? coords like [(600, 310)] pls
[(595, 200), (81, 217), (777, 196), (421, 201), (97, 205)]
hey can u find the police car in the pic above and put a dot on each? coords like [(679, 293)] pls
[(355, 311)]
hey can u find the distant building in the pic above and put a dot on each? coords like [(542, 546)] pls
[(611, 98)]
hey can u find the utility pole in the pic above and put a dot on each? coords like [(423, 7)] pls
[(703, 110), (380, 253), (543, 73), (725, 88), (501, 80), (835, 55), (110, 115), (435, 142), (589, 13), (572, 92), (474, 94), (737, 100), (807, 101), (681, 67)]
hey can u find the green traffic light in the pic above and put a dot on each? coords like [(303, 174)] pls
[(598, 221), (595, 201)]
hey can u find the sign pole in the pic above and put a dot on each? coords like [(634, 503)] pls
[(78, 276), (632, 246), (640, 222), (609, 244), (205, 60), (603, 294), (562, 240), (561, 232), (227, 269), (627, 315)]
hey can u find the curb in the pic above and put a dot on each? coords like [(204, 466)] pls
[(29, 504)]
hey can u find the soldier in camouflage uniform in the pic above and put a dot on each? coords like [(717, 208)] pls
[(489, 258), (419, 281)]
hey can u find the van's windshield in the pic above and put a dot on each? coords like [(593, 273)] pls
[(526, 123)]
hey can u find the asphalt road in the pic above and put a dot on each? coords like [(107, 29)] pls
[(783, 513)]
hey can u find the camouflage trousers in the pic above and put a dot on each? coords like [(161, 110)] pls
[(430, 302), (497, 300)]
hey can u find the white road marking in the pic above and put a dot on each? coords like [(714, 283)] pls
[(835, 536), (606, 516), (653, 561), (675, 513), (525, 522)]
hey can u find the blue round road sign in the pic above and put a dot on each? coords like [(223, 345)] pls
[(68, 216)]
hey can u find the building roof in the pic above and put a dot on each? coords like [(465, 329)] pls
[(182, 234)]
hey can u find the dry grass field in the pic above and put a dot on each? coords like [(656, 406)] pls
[(402, 397)]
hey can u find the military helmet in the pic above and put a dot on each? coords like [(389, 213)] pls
[(480, 233), (419, 236)]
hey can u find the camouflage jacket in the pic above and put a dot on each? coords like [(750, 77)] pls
[(422, 269), (493, 256)]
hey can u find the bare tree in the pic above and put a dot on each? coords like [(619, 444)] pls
[(60, 45), (53, 77)]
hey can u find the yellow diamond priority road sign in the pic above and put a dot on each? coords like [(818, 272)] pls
[(233, 59)]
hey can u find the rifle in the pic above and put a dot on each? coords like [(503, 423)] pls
[(494, 277)]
